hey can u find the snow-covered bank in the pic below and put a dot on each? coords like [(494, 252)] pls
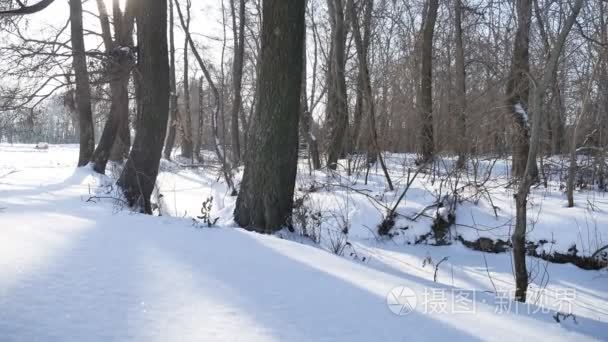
[(77, 270)]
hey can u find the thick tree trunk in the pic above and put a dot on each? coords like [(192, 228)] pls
[(338, 112), (265, 200), (173, 114), (139, 174), (427, 144), (83, 91)]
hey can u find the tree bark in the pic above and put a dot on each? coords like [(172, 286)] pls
[(460, 100), (519, 234), (237, 77), (265, 200), (83, 91), (115, 140), (173, 113), (425, 102), (186, 114), (138, 177), (518, 88), (338, 111)]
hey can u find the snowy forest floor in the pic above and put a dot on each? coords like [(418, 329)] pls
[(77, 265)]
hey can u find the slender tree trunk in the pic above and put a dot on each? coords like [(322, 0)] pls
[(519, 234), (306, 120), (173, 113), (138, 177), (460, 100), (518, 88), (427, 143), (237, 77), (265, 200), (368, 95), (220, 153), (187, 114), (83, 91)]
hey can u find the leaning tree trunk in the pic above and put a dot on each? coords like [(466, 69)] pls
[(338, 112), (83, 91), (427, 144), (139, 174), (265, 200), (115, 140), (374, 151)]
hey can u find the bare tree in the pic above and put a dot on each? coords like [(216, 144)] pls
[(83, 91), (237, 76), (138, 177), (521, 198), (425, 94), (265, 200), (337, 109), (173, 111)]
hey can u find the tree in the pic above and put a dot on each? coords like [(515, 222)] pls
[(521, 198), (115, 140), (425, 102), (518, 88), (265, 199), (138, 177), (237, 76), (83, 91), (186, 119), (337, 109), (173, 113), (461, 93), (366, 83)]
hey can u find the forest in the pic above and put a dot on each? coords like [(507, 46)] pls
[(303, 170)]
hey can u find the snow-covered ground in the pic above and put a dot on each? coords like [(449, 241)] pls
[(76, 268)]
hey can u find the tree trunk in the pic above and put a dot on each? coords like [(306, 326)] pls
[(237, 77), (115, 140), (460, 95), (83, 91), (306, 119), (368, 96), (338, 112), (518, 87), (186, 114), (425, 102), (519, 234), (138, 177), (173, 114), (265, 200)]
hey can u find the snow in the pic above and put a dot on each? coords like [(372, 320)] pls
[(73, 269), (519, 109)]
